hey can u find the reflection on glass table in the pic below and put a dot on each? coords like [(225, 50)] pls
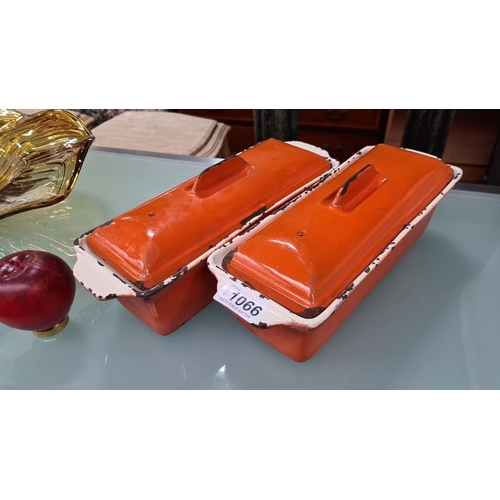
[(432, 323)]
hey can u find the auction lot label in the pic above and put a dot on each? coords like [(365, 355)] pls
[(241, 302)]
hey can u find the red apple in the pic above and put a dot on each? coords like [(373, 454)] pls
[(37, 290)]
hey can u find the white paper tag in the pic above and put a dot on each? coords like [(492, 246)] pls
[(240, 302)]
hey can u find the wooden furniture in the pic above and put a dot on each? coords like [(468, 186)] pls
[(342, 132), (470, 143)]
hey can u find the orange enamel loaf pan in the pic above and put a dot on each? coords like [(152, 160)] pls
[(294, 277), (153, 257)]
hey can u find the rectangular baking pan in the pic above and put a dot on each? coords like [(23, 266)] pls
[(294, 277), (153, 257)]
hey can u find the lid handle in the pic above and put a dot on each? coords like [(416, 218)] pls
[(221, 175), (357, 189)]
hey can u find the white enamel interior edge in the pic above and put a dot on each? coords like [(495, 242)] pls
[(104, 283), (313, 149), (97, 277), (279, 315)]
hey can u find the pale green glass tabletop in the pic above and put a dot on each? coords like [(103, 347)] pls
[(432, 323)]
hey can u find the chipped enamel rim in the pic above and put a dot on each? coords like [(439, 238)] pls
[(104, 283), (276, 314)]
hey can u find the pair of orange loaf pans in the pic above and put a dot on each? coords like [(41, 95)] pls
[(295, 276), (153, 257)]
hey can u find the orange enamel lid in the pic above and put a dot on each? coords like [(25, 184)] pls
[(306, 257), (152, 242)]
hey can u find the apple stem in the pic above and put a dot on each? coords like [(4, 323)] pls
[(57, 328)]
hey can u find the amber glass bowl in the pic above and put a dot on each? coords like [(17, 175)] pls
[(40, 158)]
